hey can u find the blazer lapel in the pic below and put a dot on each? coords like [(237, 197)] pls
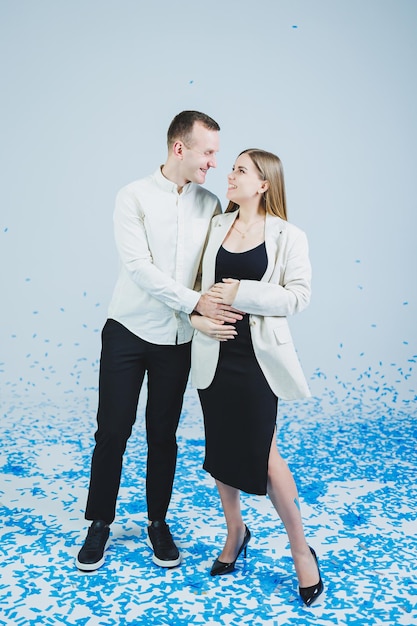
[(218, 232), (273, 231), (274, 227)]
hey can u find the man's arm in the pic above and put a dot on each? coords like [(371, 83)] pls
[(132, 245)]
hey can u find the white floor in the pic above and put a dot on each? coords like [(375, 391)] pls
[(354, 463)]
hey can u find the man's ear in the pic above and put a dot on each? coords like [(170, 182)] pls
[(178, 149)]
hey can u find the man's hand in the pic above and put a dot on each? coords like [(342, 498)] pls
[(209, 306)]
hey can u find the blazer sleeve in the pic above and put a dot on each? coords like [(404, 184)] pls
[(289, 288)]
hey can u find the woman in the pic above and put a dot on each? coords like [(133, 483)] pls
[(258, 262)]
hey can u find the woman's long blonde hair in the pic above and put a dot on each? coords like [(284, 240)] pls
[(270, 168)]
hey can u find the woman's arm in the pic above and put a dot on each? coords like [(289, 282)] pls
[(289, 293)]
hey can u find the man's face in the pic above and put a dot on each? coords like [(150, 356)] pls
[(199, 154)]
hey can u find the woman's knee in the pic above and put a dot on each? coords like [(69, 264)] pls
[(275, 463)]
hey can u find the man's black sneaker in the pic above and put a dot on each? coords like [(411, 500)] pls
[(91, 555), (165, 552)]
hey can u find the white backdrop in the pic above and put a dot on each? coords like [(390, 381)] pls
[(88, 91)]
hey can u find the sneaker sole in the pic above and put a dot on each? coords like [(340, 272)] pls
[(91, 567), (161, 563)]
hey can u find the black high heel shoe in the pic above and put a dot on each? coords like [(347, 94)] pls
[(225, 568), (310, 594)]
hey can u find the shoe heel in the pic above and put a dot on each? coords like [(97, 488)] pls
[(226, 568), (310, 594)]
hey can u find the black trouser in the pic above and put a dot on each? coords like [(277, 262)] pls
[(124, 360)]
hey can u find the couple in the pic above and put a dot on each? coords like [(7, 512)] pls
[(255, 272)]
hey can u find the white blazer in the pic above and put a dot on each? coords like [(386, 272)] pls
[(284, 290)]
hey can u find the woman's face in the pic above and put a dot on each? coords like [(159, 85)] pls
[(244, 182)]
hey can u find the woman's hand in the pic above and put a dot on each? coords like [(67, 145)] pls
[(213, 328), (224, 292)]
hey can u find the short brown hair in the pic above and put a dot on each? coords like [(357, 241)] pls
[(182, 125)]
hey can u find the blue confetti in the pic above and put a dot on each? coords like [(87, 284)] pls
[(351, 448)]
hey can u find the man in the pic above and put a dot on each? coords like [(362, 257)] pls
[(161, 223)]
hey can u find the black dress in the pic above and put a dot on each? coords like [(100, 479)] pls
[(239, 407)]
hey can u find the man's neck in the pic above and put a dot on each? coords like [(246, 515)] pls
[(172, 174)]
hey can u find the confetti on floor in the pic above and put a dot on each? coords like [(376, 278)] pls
[(353, 455)]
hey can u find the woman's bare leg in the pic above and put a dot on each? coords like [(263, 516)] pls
[(283, 493), (230, 499)]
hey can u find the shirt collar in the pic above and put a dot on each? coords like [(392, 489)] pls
[(168, 185)]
